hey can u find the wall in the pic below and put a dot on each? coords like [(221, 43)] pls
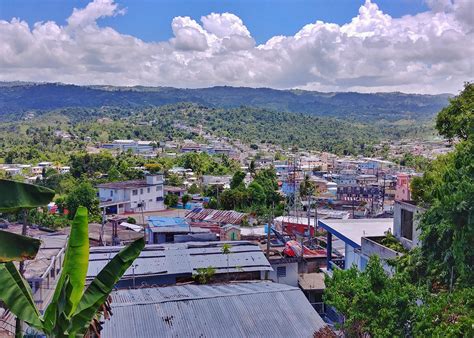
[(291, 277), (397, 223), (351, 257), (148, 195)]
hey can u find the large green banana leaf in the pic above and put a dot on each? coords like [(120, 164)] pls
[(16, 294), (15, 196), (75, 267), (17, 248), (102, 285)]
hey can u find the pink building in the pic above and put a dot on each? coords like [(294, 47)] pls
[(402, 192)]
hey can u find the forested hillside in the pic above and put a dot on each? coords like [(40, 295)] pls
[(18, 98), (36, 138)]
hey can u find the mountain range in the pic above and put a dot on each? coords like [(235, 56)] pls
[(17, 98)]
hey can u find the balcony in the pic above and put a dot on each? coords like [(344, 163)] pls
[(386, 247)]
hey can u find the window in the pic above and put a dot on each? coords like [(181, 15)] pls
[(407, 224), (141, 191), (111, 193), (148, 190), (135, 192), (281, 271)]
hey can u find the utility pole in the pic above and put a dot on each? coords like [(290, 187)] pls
[(270, 221), (101, 237), (309, 215)]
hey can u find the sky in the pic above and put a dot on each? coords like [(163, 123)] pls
[(411, 46)]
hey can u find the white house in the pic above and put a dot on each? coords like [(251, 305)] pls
[(133, 196)]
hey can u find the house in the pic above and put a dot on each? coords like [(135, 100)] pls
[(243, 309), (313, 286), (45, 164), (37, 170), (178, 191), (132, 196), (366, 179), (348, 235), (405, 223), (64, 169), (230, 232), (213, 181), (175, 230), (168, 264), (137, 147), (285, 269), (402, 190)]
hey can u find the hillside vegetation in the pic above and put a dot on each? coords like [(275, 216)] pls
[(17, 98)]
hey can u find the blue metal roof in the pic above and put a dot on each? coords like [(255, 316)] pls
[(159, 221), (252, 309)]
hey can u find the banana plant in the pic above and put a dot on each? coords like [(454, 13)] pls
[(72, 309), (17, 197)]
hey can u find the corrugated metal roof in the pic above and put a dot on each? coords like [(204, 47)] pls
[(185, 258), (258, 309), (216, 216)]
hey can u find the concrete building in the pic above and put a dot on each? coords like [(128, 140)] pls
[(132, 196), (402, 192), (405, 223), (230, 232), (345, 237), (137, 147)]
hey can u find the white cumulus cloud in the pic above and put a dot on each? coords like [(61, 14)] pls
[(429, 52)]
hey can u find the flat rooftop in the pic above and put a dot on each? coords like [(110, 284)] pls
[(312, 281), (351, 231)]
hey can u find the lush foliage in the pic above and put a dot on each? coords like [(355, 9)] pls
[(371, 302), (447, 191), (71, 309), (438, 275), (171, 200), (457, 119), (259, 197)]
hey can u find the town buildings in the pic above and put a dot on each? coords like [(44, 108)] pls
[(133, 196)]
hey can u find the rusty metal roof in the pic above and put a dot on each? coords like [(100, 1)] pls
[(216, 216)]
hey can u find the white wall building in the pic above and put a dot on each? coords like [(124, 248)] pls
[(133, 196)]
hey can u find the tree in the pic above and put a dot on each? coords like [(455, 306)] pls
[(237, 180), (154, 168), (457, 119), (83, 194), (185, 199), (114, 175), (372, 303), (174, 180), (252, 167), (171, 200), (194, 189), (307, 187), (256, 194), (446, 190)]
